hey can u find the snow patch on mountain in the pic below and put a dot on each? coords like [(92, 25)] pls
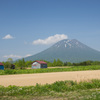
[(67, 41), (65, 45), (69, 44), (57, 46)]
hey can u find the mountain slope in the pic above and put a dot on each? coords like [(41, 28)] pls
[(67, 50)]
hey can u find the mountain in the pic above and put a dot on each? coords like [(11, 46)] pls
[(67, 50)]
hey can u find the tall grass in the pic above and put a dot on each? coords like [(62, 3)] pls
[(48, 89), (26, 71)]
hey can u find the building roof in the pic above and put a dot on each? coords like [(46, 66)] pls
[(41, 62), (1, 63)]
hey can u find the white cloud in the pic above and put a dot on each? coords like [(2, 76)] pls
[(16, 56), (12, 56), (8, 37), (28, 55), (51, 39)]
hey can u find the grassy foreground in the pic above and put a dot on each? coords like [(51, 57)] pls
[(68, 90), (27, 71)]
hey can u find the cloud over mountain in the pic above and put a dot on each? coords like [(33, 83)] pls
[(51, 39)]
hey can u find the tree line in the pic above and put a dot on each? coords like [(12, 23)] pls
[(58, 62), (22, 64)]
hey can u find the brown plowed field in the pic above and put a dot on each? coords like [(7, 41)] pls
[(43, 78)]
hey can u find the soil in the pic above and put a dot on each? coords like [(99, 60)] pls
[(43, 78)]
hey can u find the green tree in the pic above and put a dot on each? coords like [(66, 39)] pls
[(28, 63), (69, 64), (10, 60), (65, 63), (54, 62), (59, 62), (49, 64), (19, 63), (95, 63), (7, 65), (23, 62)]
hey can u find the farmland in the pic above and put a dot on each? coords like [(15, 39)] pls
[(51, 83), (60, 69), (43, 78)]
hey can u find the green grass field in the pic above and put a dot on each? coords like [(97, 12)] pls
[(27, 71), (60, 90)]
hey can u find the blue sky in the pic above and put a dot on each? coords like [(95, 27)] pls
[(24, 22)]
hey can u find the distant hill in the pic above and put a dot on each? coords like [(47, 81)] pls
[(67, 50)]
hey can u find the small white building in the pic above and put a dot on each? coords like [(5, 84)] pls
[(39, 64)]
